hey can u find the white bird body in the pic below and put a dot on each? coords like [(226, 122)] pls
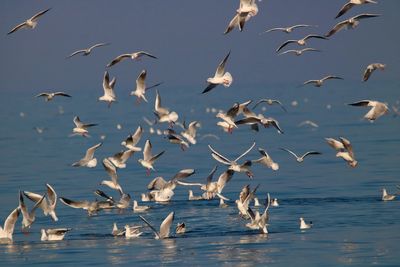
[(48, 204), (137, 208), (6, 232), (108, 87), (386, 196), (88, 160), (304, 225), (54, 234), (132, 231)]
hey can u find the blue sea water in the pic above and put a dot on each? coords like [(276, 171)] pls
[(352, 226)]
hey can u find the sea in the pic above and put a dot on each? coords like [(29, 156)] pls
[(352, 226)]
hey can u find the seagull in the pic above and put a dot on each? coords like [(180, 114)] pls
[(87, 51), (163, 114), (304, 225), (246, 10), (300, 52), (378, 109), (29, 23), (347, 153), (141, 87), (180, 228), (54, 234), (190, 132), (81, 128), (91, 207), (109, 95), (88, 160), (301, 159), (270, 102), (335, 144), (308, 122), (371, 68), (350, 23), (192, 197), (301, 41), (148, 159), (132, 140), (28, 217), (6, 232), (112, 172), (119, 159), (134, 56), (244, 200), (117, 232), (175, 138), (266, 122), (318, 83), (220, 76), (266, 160), (288, 29), (259, 222), (132, 231), (50, 96), (162, 190), (274, 202), (386, 196), (122, 203), (352, 3), (233, 165), (137, 208), (211, 188), (229, 117), (48, 204), (164, 227)]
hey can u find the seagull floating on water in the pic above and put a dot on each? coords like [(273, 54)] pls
[(6, 232), (386, 196), (164, 227), (55, 234), (304, 225)]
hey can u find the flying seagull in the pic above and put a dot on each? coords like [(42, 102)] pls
[(50, 96), (378, 109), (318, 83), (87, 51), (141, 87), (288, 29), (133, 56), (108, 87), (30, 23), (301, 158), (88, 160), (302, 41), (299, 52), (220, 76), (350, 23), (352, 3), (371, 68)]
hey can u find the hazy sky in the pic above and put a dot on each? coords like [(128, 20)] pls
[(187, 37)]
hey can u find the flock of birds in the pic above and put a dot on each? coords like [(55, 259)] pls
[(161, 190)]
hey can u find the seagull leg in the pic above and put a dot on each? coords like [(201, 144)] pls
[(148, 172)]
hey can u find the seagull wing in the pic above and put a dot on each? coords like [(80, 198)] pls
[(98, 45), (118, 59), (62, 94), (111, 170), (209, 87), (11, 220), (246, 152), (285, 44), (16, 28), (141, 53), (367, 74), (291, 152), (183, 174), (221, 67), (218, 157), (365, 16), (232, 24), (311, 153), (90, 152), (149, 225), (344, 9), (166, 225), (36, 16), (51, 195), (337, 28), (75, 204), (140, 82), (211, 174), (76, 52), (315, 36), (362, 103), (147, 150)]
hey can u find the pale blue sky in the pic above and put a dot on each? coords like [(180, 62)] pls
[(187, 37)]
